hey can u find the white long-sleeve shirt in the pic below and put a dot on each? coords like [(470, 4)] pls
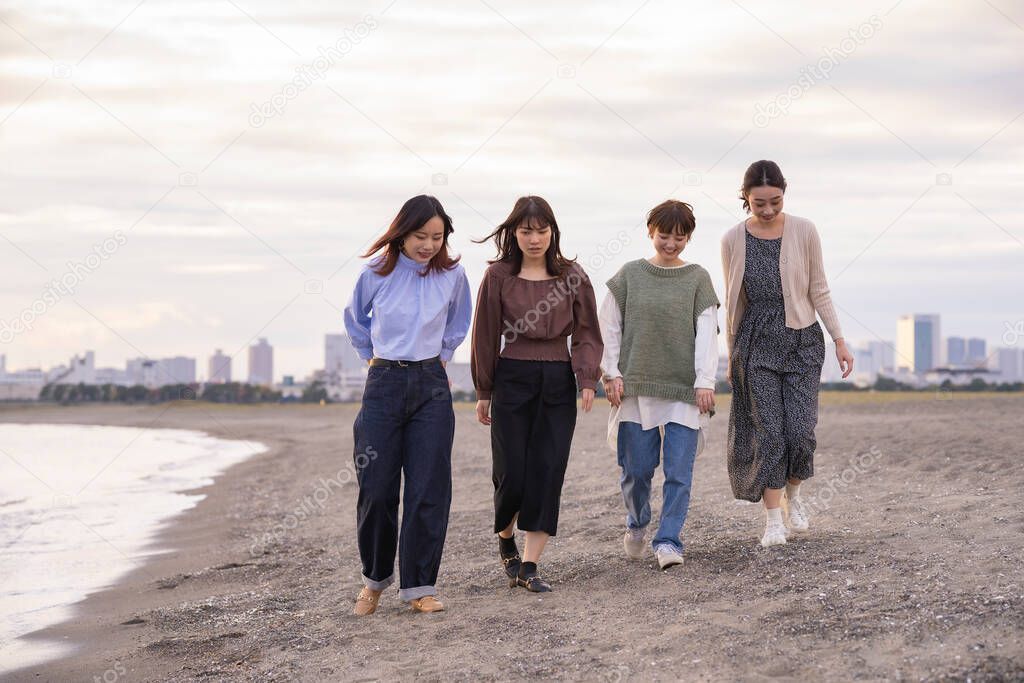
[(650, 411)]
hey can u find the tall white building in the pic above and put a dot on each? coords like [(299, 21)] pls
[(144, 371), (81, 370), (261, 363), (918, 343), (219, 368), (178, 370), (1010, 365), (340, 356)]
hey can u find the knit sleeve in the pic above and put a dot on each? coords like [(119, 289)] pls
[(587, 347), (729, 312), (486, 344), (818, 288)]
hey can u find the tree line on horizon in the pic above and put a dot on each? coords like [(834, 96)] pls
[(240, 392)]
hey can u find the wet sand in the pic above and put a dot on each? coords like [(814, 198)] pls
[(913, 570)]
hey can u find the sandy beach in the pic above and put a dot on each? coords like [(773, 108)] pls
[(913, 569)]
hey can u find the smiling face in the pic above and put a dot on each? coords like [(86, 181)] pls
[(765, 202), (533, 238), (423, 244), (668, 246)]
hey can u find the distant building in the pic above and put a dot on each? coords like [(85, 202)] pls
[(340, 356), (219, 368), (154, 373), (261, 363), (917, 343), (112, 376), (177, 370), (956, 351), (28, 376), (144, 371), (883, 356), (1010, 365), (976, 354)]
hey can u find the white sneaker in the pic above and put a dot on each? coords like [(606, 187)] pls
[(634, 543), (798, 516), (668, 555), (774, 534)]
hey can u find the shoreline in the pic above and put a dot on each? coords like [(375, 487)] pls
[(164, 553), (204, 605)]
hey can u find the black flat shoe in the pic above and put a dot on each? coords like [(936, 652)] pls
[(532, 583), (510, 560)]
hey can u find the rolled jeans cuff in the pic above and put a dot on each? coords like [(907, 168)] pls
[(407, 594), (378, 585)]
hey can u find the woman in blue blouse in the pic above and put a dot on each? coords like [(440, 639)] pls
[(408, 313)]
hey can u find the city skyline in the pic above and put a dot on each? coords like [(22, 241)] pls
[(919, 349), (246, 217)]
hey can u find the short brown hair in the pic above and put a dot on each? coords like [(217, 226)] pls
[(671, 216)]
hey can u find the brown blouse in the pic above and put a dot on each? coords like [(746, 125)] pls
[(535, 317)]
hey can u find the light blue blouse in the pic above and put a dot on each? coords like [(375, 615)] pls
[(408, 316)]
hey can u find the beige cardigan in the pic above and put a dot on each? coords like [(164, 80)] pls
[(804, 287)]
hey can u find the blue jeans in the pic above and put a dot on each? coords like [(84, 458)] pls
[(639, 451), (406, 425)]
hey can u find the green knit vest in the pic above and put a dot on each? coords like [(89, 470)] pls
[(660, 307)]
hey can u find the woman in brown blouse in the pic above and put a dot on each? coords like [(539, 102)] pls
[(533, 299)]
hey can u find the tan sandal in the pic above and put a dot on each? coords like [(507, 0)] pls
[(428, 603), (367, 602)]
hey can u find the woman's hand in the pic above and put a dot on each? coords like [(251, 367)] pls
[(588, 399), (613, 390), (706, 400), (844, 357), (483, 412), (728, 372)]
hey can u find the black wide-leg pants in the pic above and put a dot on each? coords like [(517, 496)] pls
[(533, 416)]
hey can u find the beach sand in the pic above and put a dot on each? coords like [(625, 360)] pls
[(914, 568)]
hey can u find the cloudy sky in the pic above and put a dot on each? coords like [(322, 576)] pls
[(233, 203)]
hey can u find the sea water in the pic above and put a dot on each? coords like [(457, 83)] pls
[(79, 505)]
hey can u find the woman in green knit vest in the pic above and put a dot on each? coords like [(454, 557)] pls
[(659, 325)]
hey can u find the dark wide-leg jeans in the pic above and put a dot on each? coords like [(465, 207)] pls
[(406, 423)]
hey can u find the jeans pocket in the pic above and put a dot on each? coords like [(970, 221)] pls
[(376, 372)]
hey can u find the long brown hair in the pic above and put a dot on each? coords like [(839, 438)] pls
[(534, 211), (413, 215)]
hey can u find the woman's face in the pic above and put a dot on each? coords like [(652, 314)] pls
[(765, 202), (669, 245), (533, 238), (423, 244)]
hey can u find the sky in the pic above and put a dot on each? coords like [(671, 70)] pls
[(200, 173)]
